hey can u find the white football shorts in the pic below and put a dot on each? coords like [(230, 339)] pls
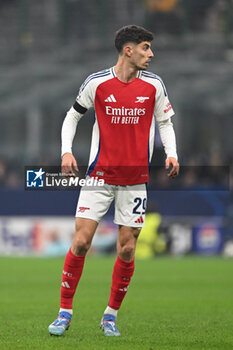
[(130, 203)]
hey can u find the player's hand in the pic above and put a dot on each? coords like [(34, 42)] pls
[(172, 166), (69, 164)]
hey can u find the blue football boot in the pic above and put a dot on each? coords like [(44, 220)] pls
[(61, 324), (108, 325)]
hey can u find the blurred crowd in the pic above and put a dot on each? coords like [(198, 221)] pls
[(177, 16), (197, 172)]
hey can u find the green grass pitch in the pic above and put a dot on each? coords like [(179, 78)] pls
[(172, 304)]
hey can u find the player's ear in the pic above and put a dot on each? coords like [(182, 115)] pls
[(128, 49)]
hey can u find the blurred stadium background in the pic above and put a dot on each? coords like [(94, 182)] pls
[(48, 48)]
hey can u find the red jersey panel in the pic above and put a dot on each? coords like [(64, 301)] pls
[(123, 133), (124, 125)]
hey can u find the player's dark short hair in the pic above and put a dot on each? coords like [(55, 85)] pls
[(131, 33)]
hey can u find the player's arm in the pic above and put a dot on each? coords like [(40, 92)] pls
[(69, 127), (84, 101), (163, 113), (168, 139)]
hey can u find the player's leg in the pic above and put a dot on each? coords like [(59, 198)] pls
[(122, 272), (130, 215), (92, 205), (74, 261), (124, 265), (72, 271)]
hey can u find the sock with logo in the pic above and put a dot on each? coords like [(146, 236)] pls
[(122, 273), (72, 272)]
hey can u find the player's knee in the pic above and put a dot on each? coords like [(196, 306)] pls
[(81, 244), (127, 251)]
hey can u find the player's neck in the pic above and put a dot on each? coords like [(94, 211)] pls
[(125, 72)]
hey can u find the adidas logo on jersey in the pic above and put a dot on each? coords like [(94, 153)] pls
[(110, 98), (139, 221)]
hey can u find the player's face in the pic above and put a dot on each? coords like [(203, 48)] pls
[(141, 55)]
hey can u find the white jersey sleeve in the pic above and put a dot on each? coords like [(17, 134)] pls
[(86, 96), (68, 130), (168, 138), (84, 101), (163, 108)]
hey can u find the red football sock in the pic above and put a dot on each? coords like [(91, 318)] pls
[(72, 272), (122, 273)]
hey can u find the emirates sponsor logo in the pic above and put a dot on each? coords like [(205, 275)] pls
[(125, 115), (126, 112)]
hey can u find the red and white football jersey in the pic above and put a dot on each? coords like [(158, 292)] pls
[(123, 132)]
